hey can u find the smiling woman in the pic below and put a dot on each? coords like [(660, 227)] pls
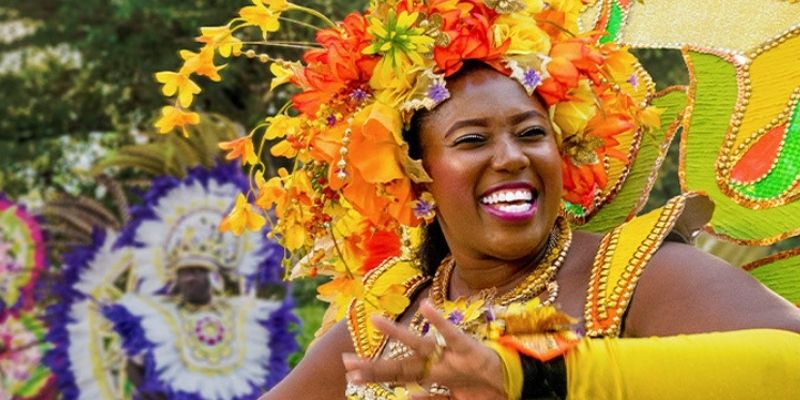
[(494, 128), (496, 170)]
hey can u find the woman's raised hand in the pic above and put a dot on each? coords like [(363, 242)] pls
[(449, 358)]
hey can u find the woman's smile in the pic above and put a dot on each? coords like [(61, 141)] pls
[(513, 201)]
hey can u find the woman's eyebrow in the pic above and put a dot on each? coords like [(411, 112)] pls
[(526, 115)]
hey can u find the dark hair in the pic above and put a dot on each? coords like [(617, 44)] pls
[(434, 247)]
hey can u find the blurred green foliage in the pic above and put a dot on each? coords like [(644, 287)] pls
[(74, 67)]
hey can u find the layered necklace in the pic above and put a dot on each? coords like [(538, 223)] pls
[(542, 277)]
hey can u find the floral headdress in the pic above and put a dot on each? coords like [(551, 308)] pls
[(352, 185)]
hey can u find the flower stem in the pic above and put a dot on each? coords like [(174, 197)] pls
[(313, 12), (301, 23)]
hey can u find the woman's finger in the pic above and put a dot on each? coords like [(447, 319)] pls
[(420, 345), (453, 336), (360, 371)]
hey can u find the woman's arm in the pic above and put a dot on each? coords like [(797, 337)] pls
[(685, 290), (321, 374)]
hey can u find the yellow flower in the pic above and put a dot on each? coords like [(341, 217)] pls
[(341, 291), (282, 125), (460, 312), (533, 317), (573, 115), (525, 35), (261, 16), (172, 117), (294, 237), (221, 38), (393, 87), (391, 299), (282, 75), (651, 117), (242, 216), (533, 6), (276, 5), (201, 63), (571, 10), (401, 44), (174, 82)]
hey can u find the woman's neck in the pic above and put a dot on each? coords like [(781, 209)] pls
[(473, 275)]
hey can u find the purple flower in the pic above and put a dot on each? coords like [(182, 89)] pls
[(634, 80), (423, 209), (359, 95), (532, 78), (456, 317), (438, 92)]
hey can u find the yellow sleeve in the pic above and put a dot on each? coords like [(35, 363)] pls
[(748, 364)]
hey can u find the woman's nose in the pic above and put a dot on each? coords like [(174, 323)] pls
[(509, 156)]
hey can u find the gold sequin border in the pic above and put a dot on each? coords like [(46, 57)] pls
[(604, 314)]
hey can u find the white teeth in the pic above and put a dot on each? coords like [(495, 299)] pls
[(515, 208), (508, 196)]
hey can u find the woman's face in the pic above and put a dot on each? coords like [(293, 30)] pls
[(496, 169)]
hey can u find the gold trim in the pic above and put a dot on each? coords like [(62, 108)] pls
[(603, 313)]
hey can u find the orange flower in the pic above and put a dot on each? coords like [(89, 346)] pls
[(338, 68), (271, 192), (201, 63), (582, 180), (241, 147), (221, 38), (471, 37), (174, 117), (242, 216), (376, 183), (379, 246), (571, 60)]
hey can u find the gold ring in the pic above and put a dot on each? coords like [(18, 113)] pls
[(437, 389)]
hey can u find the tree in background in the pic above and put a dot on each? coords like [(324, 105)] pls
[(81, 71)]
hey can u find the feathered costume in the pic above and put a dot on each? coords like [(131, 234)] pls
[(235, 348), (22, 333)]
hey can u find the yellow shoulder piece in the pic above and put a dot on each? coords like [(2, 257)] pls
[(622, 256), (396, 270)]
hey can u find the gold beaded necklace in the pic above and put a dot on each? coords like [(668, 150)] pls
[(539, 280), (533, 285)]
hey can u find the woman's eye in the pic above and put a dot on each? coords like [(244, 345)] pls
[(469, 138), (533, 132)]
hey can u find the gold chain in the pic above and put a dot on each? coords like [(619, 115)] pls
[(540, 279), (535, 283)]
